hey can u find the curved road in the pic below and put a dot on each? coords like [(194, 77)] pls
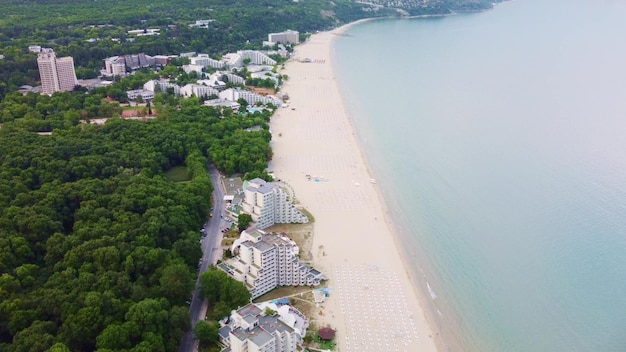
[(211, 247)]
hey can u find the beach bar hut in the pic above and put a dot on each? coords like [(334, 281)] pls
[(326, 333)]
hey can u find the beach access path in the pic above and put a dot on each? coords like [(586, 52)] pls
[(372, 304)]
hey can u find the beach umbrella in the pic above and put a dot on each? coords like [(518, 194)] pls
[(326, 333)]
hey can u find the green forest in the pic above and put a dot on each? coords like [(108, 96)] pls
[(100, 248), (100, 245)]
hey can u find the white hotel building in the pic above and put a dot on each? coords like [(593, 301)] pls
[(252, 329), (269, 204), (268, 260), (234, 60), (197, 90), (286, 37), (115, 66), (57, 74), (161, 86), (250, 98), (205, 61)]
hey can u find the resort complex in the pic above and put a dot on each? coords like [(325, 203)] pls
[(267, 260), (265, 327), (269, 204)]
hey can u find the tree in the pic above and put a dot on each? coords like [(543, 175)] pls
[(219, 288), (243, 103), (243, 221), (206, 332), (177, 282), (36, 338), (170, 71), (211, 282), (235, 293), (149, 315), (118, 336), (59, 347)]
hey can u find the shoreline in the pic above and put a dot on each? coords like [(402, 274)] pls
[(355, 242), (405, 253)]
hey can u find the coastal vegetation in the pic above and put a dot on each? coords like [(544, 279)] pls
[(223, 294), (90, 32), (99, 234), (100, 246)]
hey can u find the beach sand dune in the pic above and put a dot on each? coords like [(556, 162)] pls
[(372, 304)]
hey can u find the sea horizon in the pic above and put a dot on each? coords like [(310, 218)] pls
[(494, 254)]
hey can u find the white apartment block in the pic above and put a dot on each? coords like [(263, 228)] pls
[(269, 204), (252, 329), (66, 73), (118, 65), (136, 93), (288, 36), (266, 261), (161, 86), (221, 103), (233, 78), (115, 66), (197, 90), (214, 81), (252, 98), (205, 61), (256, 57), (34, 48), (234, 60), (57, 74), (191, 68)]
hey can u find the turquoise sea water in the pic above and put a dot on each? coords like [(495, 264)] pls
[(499, 139)]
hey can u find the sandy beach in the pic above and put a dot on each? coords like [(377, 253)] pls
[(372, 304)]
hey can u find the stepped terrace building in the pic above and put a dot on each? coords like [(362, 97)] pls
[(121, 65), (205, 61), (254, 328), (267, 260), (268, 203)]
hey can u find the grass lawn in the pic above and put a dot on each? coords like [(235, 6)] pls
[(326, 344), (178, 174)]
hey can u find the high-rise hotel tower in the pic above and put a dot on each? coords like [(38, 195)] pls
[(57, 74)]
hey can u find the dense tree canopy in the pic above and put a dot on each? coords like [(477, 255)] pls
[(100, 248), (222, 292), (206, 332)]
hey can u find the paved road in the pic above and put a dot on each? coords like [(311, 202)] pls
[(211, 245)]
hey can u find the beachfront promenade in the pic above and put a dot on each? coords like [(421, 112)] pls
[(372, 305)]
